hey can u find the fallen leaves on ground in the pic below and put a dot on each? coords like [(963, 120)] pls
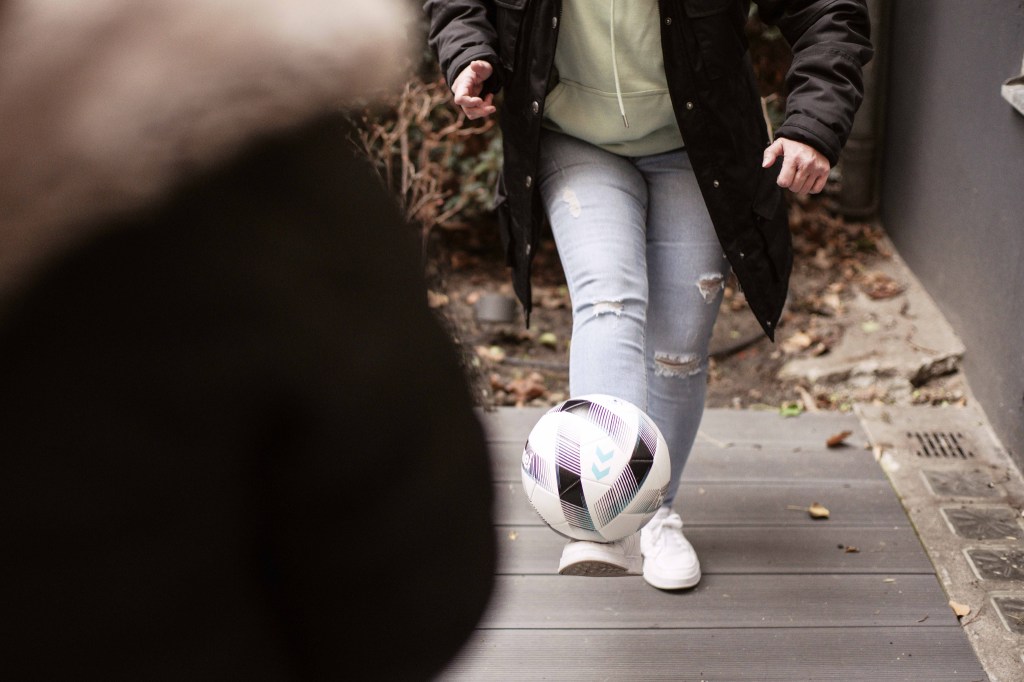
[(809, 401), (797, 342), (492, 353), (879, 286), (959, 609), (816, 510), (525, 389), (548, 339), (838, 439), (791, 409), (437, 300)]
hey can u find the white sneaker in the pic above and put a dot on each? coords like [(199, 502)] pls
[(669, 560), (602, 559)]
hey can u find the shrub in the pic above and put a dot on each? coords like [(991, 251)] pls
[(442, 167)]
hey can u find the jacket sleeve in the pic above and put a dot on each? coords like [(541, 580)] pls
[(831, 42), (462, 31)]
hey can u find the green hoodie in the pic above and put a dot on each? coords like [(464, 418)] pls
[(611, 88)]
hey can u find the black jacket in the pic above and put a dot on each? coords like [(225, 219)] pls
[(717, 104)]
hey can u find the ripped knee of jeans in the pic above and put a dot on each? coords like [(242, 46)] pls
[(709, 285), (676, 365), (609, 308)]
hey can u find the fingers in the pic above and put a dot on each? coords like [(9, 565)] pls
[(481, 69), (467, 88), (804, 169), (771, 154), (476, 107)]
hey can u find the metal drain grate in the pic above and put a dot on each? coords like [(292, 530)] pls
[(939, 445)]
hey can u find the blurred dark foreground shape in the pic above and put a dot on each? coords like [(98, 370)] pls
[(236, 442)]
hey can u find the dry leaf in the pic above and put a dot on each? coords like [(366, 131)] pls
[(810, 403), (832, 300), (879, 286), (817, 511), (821, 260), (527, 388), (870, 327), (436, 299), (548, 339), (797, 342), (837, 440), (492, 353), (959, 609)]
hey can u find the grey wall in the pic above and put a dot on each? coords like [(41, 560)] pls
[(952, 178)]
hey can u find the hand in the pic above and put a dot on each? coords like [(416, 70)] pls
[(804, 168), (467, 88)]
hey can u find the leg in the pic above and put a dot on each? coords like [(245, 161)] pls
[(597, 204), (686, 273)]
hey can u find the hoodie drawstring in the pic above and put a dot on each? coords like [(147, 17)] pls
[(615, 69)]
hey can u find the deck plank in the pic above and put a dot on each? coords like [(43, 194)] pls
[(813, 549), (721, 427), (739, 463), (719, 601), (738, 654), (861, 504)]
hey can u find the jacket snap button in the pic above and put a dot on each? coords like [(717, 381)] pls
[(716, 184), (689, 106), (536, 107), (529, 181), (742, 255), (554, 22), (668, 21), (529, 248)]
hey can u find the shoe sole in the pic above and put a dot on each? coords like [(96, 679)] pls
[(584, 559), (595, 569), (678, 584)]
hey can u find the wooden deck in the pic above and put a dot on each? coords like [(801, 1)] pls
[(783, 597)]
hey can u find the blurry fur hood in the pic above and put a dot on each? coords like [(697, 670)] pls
[(106, 104)]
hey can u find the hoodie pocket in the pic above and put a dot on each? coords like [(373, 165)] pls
[(509, 24), (718, 28)]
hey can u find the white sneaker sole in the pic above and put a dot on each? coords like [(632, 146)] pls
[(671, 583), (586, 559)]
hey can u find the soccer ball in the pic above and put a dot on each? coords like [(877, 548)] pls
[(596, 468)]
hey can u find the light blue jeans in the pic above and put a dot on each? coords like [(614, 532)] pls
[(645, 273)]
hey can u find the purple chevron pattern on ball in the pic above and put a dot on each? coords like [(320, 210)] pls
[(595, 467)]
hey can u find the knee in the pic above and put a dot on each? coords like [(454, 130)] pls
[(678, 365), (710, 285)]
